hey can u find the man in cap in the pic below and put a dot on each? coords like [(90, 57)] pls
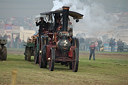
[(42, 25)]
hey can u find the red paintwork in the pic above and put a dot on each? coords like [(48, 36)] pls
[(48, 54), (58, 54), (48, 50), (63, 58), (70, 53)]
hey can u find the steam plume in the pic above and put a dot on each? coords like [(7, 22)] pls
[(95, 20)]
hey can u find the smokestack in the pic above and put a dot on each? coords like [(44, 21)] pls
[(65, 18)]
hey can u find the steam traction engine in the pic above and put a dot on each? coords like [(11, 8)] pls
[(57, 44)]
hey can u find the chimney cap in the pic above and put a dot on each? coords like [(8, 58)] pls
[(65, 7)]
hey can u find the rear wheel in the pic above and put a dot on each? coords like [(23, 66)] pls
[(52, 60), (75, 42), (75, 63)]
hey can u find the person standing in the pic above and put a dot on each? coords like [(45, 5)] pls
[(96, 46), (112, 44), (42, 25), (122, 46), (119, 42), (87, 44), (99, 44), (92, 51)]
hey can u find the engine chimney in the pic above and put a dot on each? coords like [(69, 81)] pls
[(65, 18)]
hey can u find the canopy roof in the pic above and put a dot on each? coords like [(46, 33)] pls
[(73, 14)]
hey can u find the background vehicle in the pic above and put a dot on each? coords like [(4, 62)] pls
[(57, 44), (30, 48), (3, 49)]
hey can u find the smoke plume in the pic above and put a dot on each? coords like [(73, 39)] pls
[(95, 20)]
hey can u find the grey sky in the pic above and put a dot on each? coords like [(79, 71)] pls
[(20, 8), (12, 8), (115, 5)]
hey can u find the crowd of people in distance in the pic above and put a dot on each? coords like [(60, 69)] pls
[(111, 45), (13, 42), (119, 44)]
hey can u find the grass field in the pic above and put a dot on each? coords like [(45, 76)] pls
[(107, 69)]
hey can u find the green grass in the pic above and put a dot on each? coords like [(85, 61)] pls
[(105, 70)]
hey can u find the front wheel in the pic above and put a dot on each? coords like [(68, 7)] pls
[(52, 60)]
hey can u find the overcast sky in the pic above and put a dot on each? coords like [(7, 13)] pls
[(20, 8), (17, 8), (115, 5)]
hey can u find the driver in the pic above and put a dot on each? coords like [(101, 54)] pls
[(42, 25)]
